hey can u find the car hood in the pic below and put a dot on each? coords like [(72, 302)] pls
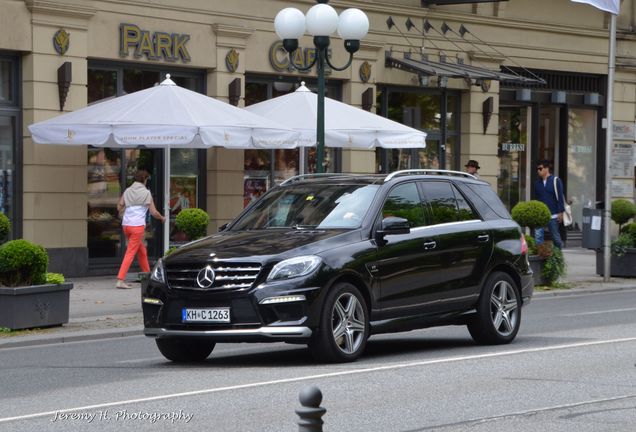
[(260, 245)]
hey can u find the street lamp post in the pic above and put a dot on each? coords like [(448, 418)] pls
[(321, 21)]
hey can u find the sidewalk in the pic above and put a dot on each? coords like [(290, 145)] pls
[(99, 310)]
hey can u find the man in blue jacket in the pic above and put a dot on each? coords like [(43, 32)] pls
[(544, 192)]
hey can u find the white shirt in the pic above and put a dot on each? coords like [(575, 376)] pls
[(135, 216)]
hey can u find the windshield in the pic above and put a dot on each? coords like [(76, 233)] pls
[(310, 206)]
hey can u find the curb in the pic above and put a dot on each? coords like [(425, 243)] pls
[(26, 341), (581, 291)]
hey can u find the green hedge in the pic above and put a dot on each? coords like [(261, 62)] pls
[(5, 227), (531, 214), (22, 263), (193, 222)]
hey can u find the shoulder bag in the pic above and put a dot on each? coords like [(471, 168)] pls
[(567, 213)]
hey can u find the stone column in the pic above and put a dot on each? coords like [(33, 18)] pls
[(224, 166), (55, 179), (361, 160)]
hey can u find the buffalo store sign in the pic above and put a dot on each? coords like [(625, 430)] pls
[(155, 46)]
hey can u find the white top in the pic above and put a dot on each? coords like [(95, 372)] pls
[(135, 216)]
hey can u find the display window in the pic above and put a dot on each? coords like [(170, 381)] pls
[(10, 201), (435, 112), (265, 168), (110, 171)]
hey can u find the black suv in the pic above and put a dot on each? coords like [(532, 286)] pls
[(328, 260)]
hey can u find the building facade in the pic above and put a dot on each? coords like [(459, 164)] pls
[(504, 82)]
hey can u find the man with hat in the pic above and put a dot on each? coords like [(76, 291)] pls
[(471, 167)]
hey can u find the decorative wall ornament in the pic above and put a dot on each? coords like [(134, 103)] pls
[(365, 71), (61, 41), (487, 109), (232, 60), (64, 78)]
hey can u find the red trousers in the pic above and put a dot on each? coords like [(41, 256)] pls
[(135, 237)]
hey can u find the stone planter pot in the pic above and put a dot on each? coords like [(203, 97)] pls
[(620, 266), (536, 265), (34, 306)]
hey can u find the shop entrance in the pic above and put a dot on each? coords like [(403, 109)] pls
[(514, 176), (110, 172)]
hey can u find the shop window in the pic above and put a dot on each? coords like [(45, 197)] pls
[(425, 111), (512, 155), (9, 137), (110, 171), (102, 84), (265, 168)]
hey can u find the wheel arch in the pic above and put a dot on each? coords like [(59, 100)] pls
[(357, 282), (503, 268)]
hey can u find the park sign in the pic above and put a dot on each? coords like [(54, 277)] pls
[(155, 46)]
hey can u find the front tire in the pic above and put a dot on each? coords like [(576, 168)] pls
[(184, 350), (498, 311), (344, 326)]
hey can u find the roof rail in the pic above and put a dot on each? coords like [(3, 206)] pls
[(377, 177), (428, 171), (310, 175)]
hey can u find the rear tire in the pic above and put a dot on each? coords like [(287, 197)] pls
[(498, 311), (184, 350), (344, 326)]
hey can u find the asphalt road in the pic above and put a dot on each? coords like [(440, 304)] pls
[(572, 368)]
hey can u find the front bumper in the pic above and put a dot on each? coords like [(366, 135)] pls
[(266, 333)]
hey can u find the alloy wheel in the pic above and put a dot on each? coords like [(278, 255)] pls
[(504, 308), (348, 323)]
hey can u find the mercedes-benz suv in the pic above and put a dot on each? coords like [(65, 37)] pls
[(329, 260)]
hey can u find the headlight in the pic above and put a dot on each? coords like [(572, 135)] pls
[(294, 267), (157, 274)]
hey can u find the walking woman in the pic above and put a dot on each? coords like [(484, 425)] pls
[(135, 203)]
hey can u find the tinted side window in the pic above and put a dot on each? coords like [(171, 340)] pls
[(404, 201), (465, 210), (442, 202), (485, 201)]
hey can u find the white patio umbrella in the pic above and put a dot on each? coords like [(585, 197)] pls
[(345, 125), (164, 116)]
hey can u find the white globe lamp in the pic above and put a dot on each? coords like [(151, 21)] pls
[(321, 20)]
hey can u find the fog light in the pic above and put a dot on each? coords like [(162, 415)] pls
[(283, 299), (152, 301)]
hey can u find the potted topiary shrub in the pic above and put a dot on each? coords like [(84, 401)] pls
[(623, 247), (29, 297), (193, 222), (534, 214)]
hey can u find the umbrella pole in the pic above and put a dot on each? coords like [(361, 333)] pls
[(166, 200)]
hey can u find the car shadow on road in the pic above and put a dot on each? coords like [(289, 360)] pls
[(284, 356)]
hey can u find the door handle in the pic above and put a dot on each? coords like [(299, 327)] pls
[(483, 238), (430, 245)]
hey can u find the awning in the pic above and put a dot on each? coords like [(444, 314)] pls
[(455, 70)]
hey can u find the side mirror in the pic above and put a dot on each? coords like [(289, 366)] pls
[(222, 227), (394, 225)]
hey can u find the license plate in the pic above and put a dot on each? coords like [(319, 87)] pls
[(206, 315)]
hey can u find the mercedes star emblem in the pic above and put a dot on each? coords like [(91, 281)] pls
[(205, 278)]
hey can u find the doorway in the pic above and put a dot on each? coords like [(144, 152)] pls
[(513, 178), (110, 172)]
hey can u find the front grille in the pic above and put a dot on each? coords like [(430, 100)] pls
[(227, 275)]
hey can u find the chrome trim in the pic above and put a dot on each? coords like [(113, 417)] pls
[(428, 171), (428, 227), (267, 331)]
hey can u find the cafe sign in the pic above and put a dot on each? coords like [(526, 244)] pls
[(303, 57), (154, 46)]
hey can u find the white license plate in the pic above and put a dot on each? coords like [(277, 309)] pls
[(206, 315)]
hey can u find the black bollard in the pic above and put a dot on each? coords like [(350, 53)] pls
[(310, 412)]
